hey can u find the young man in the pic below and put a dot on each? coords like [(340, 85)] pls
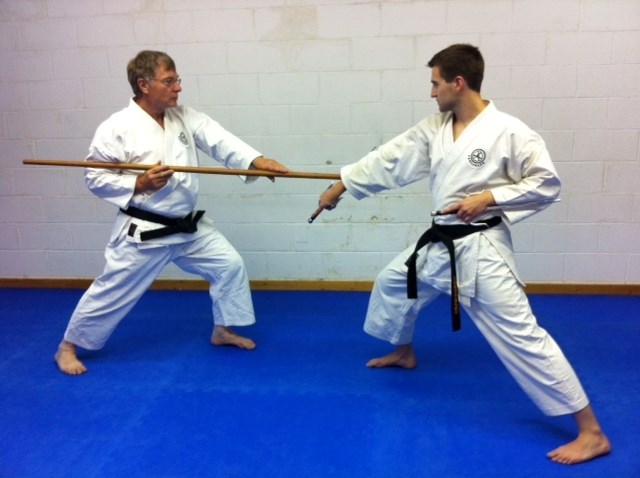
[(156, 223), (476, 158)]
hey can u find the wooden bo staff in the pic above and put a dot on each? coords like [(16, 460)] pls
[(184, 169)]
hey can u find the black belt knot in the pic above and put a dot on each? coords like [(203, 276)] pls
[(445, 234), (188, 223)]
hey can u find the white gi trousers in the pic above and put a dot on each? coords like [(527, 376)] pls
[(130, 270), (501, 311)]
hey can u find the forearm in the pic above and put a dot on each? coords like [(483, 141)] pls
[(536, 189), (115, 188)]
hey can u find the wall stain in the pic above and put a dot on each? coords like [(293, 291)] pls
[(295, 23)]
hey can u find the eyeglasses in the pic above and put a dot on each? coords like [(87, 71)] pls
[(169, 82)]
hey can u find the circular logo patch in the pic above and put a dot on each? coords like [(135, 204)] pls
[(477, 158)]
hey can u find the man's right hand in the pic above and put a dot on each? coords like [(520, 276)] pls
[(329, 199), (153, 179)]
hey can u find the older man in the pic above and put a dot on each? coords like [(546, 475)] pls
[(156, 223)]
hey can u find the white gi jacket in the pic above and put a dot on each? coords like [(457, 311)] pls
[(132, 136), (496, 152)]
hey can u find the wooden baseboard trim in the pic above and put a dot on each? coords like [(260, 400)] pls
[(318, 285)]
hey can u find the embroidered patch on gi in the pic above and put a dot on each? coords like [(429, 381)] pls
[(183, 139), (477, 158)]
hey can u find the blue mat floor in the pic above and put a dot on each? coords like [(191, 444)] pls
[(160, 401)]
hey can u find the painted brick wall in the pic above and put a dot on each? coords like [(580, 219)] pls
[(317, 84)]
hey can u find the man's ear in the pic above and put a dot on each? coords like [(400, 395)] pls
[(143, 85), (460, 83)]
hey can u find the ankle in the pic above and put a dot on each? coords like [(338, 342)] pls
[(67, 347)]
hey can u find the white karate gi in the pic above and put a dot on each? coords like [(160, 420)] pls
[(132, 136), (499, 153)]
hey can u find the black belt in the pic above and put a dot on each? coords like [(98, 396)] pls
[(188, 224), (446, 235)]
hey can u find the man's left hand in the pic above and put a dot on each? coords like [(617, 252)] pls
[(471, 206), (268, 164)]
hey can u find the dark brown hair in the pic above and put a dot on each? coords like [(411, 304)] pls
[(462, 60)]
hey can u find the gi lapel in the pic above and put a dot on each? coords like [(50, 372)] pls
[(447, 152)]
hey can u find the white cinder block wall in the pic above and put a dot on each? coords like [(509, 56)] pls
[(317, 84)]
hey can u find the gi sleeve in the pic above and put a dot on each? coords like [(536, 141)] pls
[(114, 186), (219, 143), (536, 182), (399, 162)]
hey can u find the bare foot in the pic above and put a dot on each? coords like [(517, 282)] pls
[(67, 359), (591, 442), (586, 447), (225, 336), (402, 357)]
